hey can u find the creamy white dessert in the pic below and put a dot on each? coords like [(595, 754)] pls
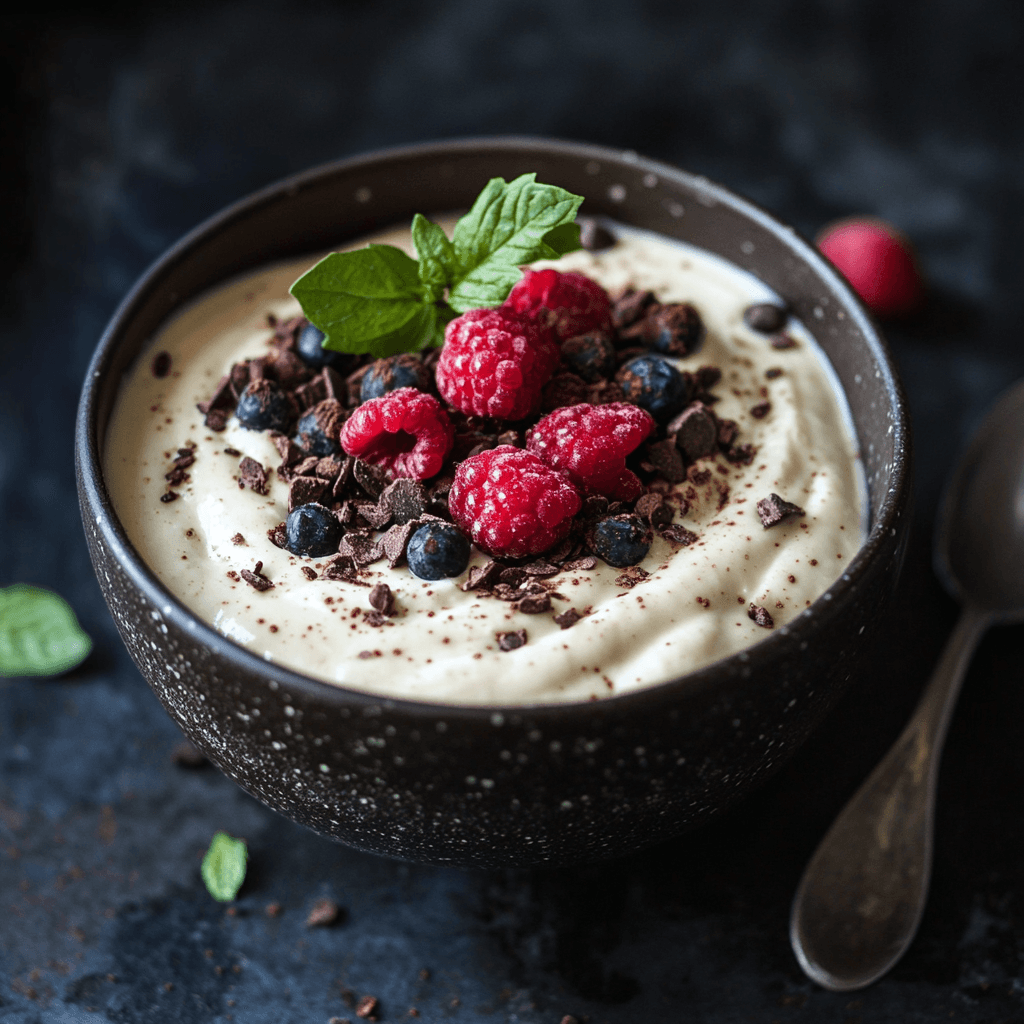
[(442, 642)]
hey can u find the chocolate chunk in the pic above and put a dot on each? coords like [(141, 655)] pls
[(328, 468), (238, 539), (288, 369), (324, 912), (311, 393), (334, 384), (653, 509), (535, 604), (340, 568), (373, 514), (675, 329), (341, 481), (663, 458), (584, 564), (513, 575), (253, 475), (696, 431), (233, 452), (393, 544), (772, 372), (605, 392), (382, 599), (505, 592), (741, 454), (176, 476), (568, 618), (169, 496), (278, 536), (765, 317), (631, 577), (728, 430), (760, 616), (367, 1007), (512, 640), (630, 306), (307, 466), (256, 578), (161, 365), (482, 577), (216, 420), (305, 489), (309, 572), (541, 569), (372, 479), (563, 389), (188, 756), (781, 341), (404, 500), (678, 534), (375, 618), (774, 509), (761, 410), (360, 547), (186, 456), (594, 237), (706, 378)]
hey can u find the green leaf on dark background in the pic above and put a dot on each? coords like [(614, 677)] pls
[(39, 634), (223, 867)]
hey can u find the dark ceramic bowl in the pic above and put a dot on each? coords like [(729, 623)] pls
[(492, 786)]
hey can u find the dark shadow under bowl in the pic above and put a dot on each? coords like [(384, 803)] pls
[(492, 786)]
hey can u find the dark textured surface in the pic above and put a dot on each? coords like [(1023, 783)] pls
[(122, 130)]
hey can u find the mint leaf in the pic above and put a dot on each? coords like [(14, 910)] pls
[(358, 297), (506, 228), (39, 634), (565, 238), (223, 867), (437, 257)]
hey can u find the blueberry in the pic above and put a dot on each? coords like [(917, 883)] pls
[(312, 530), (392, 373), (437, 550), (655, 385), (263, 406), (621, 540), (590, 356), (317, 431), (312, 352)]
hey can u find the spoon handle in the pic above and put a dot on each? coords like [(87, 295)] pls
[(860, 900)]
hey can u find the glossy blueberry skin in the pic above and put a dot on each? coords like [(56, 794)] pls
[(316, 442), (621, 540), (311, 350), (655, 385), (312, 530), (392, 373), (264, 407), (437, 551)]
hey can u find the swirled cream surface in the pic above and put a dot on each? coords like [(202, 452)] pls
[(442, 643)]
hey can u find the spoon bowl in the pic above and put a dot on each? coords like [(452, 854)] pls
[(861, 897)]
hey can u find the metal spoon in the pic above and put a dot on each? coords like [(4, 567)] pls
[(860, 900)]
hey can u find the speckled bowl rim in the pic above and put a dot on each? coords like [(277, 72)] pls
[(795, 635)]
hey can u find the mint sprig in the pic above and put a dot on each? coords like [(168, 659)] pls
[(380, 301), (39, 634)]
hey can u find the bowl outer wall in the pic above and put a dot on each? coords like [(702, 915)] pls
[(494, 786)]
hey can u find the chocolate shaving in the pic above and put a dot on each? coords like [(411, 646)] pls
[(774, 509), (308, 572), (568, 618), (278, 536), (482, 577), (340, 568), (382, 599), (741, 454), (375, 618), (564, 389), (216, 420), (581, 564), (253, 475), (309, 394), (664, 459), (324, 912), (677, 534), (360, 547), (512, 640), (535, 604), (761, 410), (238, 539), (653, 509), (176, 476), (541, 569), (404, 500), (256, 578), (305, 489), (372, 479), (696, 431), (393, 544), (334, 384), (760, 616), (630, 306), (632, 576), (781, 341), (772, 372), (169, 496)]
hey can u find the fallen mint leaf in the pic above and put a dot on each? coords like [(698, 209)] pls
[(39, 634), (505, 229), (223, 867)]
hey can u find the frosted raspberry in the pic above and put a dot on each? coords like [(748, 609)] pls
[(495, 363), (591, 442), (406, 431), (878, 262), (569, 303), (510, 503)]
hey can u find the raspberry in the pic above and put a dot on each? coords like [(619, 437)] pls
[(405, 431), (569, 303), (495, 363), (877, 261), (590, 443), (510, 503)]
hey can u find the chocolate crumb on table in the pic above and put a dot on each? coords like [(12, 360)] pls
[(368, 1007), (324, 912)]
